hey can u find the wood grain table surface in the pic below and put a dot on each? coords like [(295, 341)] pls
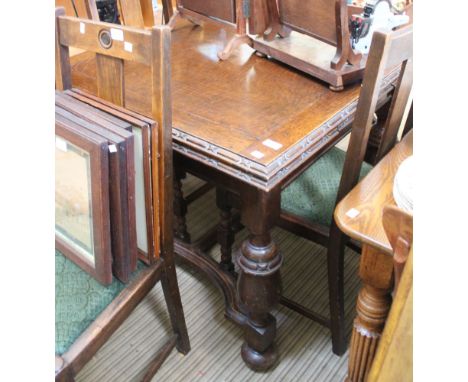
[(226, 110), (369, 198)]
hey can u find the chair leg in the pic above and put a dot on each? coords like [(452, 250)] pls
[(335, 258), (174, 305)]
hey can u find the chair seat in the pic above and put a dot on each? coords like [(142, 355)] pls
[(312, 195), (79, 299)]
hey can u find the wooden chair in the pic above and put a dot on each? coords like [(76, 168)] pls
[(151, 48), (308, 202)]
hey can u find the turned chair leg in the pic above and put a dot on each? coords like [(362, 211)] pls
[(335, 258)]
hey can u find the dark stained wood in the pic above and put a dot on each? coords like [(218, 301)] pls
[(70, 129), (331, 236), (153, 49), (220, 9), (159, 359), (150, 156), (225, 231), (122, 178), (316, 18), (250, 100), (298, 112), (320, 45)]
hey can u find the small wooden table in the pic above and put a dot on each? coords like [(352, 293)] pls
[(367, 200), (250, 126)]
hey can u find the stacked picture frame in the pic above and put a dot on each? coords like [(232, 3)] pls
[(119, 225)]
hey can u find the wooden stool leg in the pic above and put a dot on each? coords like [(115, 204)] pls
[(372, 308), (259, 282), (225, 232), (180, 207)]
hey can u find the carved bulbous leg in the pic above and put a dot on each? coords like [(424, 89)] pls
[(372, 308), (259, 288), (180, 208)]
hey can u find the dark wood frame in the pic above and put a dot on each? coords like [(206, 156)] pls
[(152, 48), (265, 21), (97, 147), (149, 129), (122, 179)]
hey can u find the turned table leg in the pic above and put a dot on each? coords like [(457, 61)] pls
[(180, 207), (259, 282), (373, 305), (225, 232)]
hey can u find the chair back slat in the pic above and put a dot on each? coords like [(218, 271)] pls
[(388, 50), (131, 13), (397, 109), (127, 43), (110, 79)]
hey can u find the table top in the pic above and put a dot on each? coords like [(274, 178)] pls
[(369, 198), (251, 117)]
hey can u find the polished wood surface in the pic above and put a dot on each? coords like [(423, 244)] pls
[(270, 26), (373, 193), (398, 225), (225, 110), (224, 114), (376, 271)]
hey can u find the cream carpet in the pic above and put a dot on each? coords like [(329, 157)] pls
[(304, 346)]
